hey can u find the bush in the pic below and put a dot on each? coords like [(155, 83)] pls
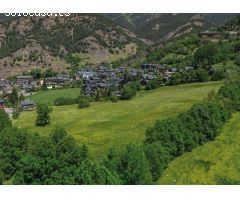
[(130, 90), (13, 145), (113, 98), (153, 84), (83, 103), (61, 101)]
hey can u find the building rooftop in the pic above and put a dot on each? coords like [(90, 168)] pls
[(27, 102), (22, 77)]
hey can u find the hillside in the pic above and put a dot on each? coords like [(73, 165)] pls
[(28, 42), (104, 125), (190, 49), (158, 27), (44, 42), (232, 25), (216, 162)]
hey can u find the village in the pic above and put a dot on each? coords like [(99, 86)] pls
[(92, 79)]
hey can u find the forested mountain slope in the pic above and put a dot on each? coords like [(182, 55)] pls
[(28, 42), (163, 26)]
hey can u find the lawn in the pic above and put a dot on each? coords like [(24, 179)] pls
[(105, 124), (217, 162), (49, 96)]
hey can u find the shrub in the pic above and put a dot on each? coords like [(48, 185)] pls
[(113, 98), (130, 90), (153, 84), (83, 103), (65, 101)]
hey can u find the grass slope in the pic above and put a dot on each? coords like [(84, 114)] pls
[(49, 96), (217, 162), (105, 124)]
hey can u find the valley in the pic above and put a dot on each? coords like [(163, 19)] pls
[(107, 124), (120, 99)]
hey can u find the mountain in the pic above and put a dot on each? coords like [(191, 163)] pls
[(3, 17), (28, 42), (44, 42), (233, 25), (159, 27)]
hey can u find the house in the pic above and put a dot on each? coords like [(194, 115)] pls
[(56, 82), (5, 87), (210, 34), (27, 104), (24, 80), (2, 104)]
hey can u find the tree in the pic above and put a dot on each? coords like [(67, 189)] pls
[(4, 120), (205, 55), (158, 158), (134, 168), (44, 85), (202, 75), (74, 61), (169, 134), (51, 160), (130, 90), (14, 97), (43, 112), (15, 114), (49, 73), (13, 145), (229, 94), (96, 173), (36, 73), (237, 60), (30, 171)]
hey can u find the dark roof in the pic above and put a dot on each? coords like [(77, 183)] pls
[(209, 33), (24, 77), (27, 102), (1, 101)]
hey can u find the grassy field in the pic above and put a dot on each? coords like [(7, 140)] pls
[(49, 96), (217, 162), (105, 124)]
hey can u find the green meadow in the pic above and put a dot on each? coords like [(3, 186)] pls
[(49, 96), (216, 162), (105, 124)]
